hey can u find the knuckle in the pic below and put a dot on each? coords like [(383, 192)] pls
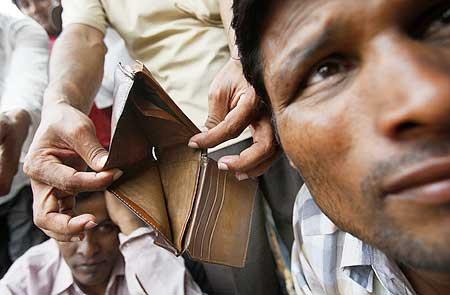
[(77, 131), (38, 220), (213, 120), (27, 166), (213, 94), (94, 152)]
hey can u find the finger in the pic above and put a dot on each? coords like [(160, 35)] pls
[(50, 171), (217, 107), (260, 169), (263, 148), (62, 237), (89, 148), (47, 215), (233, 124), (68, 237)]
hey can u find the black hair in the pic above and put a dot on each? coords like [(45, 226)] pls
[(247, 22)]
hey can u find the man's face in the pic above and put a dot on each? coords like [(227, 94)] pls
[(361, 96), (92, 259), (40, 11)]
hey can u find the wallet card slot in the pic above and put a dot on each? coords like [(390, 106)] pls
[(201, 220)]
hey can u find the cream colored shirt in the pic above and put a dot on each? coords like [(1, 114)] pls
[(182, 42), (23, 76)]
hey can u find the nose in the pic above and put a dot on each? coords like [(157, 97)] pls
[(411, 80), (89, 246)]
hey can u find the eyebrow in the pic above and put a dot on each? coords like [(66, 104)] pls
[(302, 54)]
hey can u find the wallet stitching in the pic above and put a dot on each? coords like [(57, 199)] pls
[(217, 215), (250, 226), (135, 211), (174, 250)]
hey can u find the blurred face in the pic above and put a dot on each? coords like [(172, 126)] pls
[(40, 11), (92, 259), (361, 95)]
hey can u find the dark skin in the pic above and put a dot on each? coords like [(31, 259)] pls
[(360, 91), (92, 259)]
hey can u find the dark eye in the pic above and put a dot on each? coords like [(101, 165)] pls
[(329, 68), (435, 25)]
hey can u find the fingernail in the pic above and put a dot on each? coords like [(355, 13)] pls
[(241, 176), (222, 166), (90, 225), (75, 239), (102, 161), (193, 145), (117, 175)]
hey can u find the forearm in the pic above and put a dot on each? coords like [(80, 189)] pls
[(27, 75), (76, 67), (226, 14), (26, 78)]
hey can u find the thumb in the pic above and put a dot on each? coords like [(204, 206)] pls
[(217, 105), (92, 152)]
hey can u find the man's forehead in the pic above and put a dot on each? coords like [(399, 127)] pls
[(94, 204), (296, 30)]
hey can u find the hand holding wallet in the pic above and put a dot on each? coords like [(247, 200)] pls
[(192, 205)]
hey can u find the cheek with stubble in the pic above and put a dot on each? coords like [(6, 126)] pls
[(319, 144)]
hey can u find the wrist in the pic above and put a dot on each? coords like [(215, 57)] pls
[(19, 118), (129, 226), (55, 98)]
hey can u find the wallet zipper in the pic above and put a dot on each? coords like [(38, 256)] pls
[(126, 70), (204, 160)]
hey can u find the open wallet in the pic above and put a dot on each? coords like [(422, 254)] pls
[(192, 205)]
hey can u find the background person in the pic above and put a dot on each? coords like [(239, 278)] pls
[(23, 78), (115, 257), (48, 14)]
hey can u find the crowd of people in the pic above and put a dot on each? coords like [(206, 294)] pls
[(339, 109)]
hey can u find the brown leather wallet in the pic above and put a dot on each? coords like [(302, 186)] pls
[(179, 191)]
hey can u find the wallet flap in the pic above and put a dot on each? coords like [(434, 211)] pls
[(125, 137), (156, 94)]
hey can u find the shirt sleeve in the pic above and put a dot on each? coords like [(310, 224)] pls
[(27, 71), (150, 269), (86, 12)]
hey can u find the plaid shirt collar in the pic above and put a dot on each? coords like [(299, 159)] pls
[(344, 256)]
